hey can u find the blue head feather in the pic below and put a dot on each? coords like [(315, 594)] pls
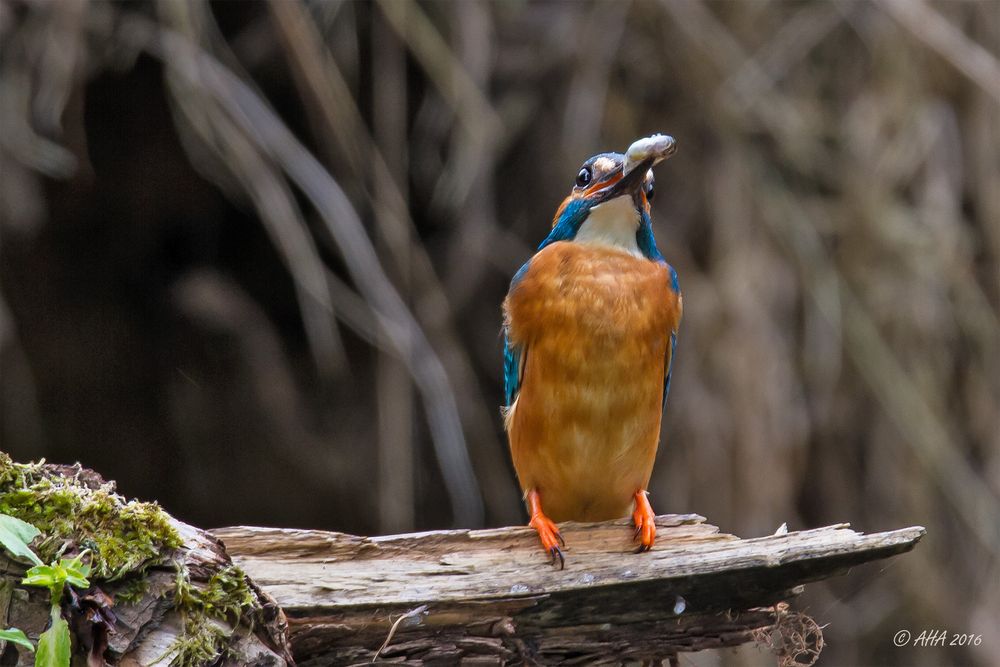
[(569, 221)]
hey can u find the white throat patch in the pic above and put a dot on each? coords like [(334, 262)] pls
[(612, 223)]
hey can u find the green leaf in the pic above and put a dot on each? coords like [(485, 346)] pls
[(45, 576), (75, 571), (17, 637), (16, 535), (77, 581), (76, 565), (54, 643)]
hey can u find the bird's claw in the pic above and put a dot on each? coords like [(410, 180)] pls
[(643, 547), (645, 534), (645, 523), (550, 537)]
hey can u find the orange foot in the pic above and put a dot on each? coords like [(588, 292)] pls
[(645, 522), (548, 533)]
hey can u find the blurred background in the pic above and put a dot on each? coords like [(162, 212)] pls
[(252, 257)]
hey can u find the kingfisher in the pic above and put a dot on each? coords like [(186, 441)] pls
[(590, 328)]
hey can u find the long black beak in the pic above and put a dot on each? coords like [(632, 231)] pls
[(642, 155), (629, 184)]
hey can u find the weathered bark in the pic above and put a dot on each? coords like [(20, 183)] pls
[(151, 630), (490, 595), (159, 619)]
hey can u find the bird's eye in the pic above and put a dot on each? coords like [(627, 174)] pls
[(650, 191), (584, 176)]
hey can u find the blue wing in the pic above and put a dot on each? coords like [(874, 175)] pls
[(669, 362), (511, 370), (668, 367), (513, 364)]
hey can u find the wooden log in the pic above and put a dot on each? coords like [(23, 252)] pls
[(490, 596), (485, 596)]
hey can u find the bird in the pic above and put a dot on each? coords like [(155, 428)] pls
[(589, 332)]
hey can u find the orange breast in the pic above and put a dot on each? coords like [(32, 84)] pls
[(595, 323)]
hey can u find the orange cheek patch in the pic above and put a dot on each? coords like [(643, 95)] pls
[(584, 194), (602, 184)]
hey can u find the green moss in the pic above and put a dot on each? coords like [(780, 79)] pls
[(202, 643), (124, 536), (131, 590), (226, 596)]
